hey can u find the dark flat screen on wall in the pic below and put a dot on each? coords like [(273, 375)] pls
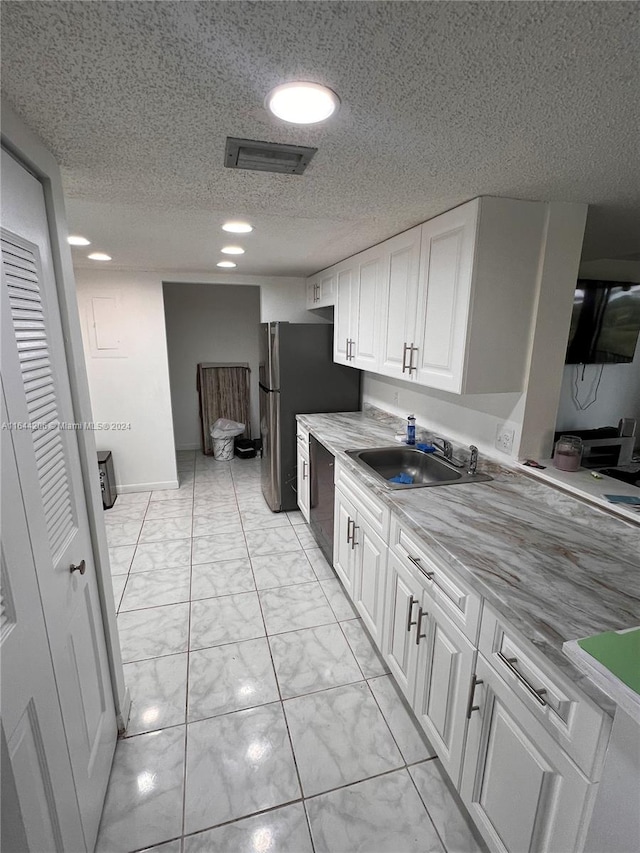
[(604, 323)]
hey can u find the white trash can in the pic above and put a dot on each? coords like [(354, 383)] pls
[(223, 435)]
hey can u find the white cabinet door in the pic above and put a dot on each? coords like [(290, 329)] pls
[(399, 301), (366, 322), (326, 292), (344, 315), (302, 475), (446, 270), (344, 553), (522, 790), (402, 600), (371, 564), (313, 285), (444, 671)]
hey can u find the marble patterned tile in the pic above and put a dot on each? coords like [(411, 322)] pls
[(338, 599), (205, 506), (163, 529), (133, 499), (260, 521), (120, 514), (384, 815), (238, 764), (288, 608), (230, 678), (369, 658), (279, 540), (153, 632), (445, 808), (120, 557), (172, 554), (313, 659), (339, 736), (144, 798), (306, 537), (409, 737), (158, 690), (296, 517), (228, 619), (181, 493), (118, 583), (282, 570), (213, 491), (254, 502), (168, 847), (154, 589), (282, 830), (209, 580), (215, 523), (213, 549), (169, 509), (123, 533), (323, 570)]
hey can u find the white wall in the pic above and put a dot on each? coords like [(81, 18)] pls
[(618, 394), (208, 322), (131, 384)]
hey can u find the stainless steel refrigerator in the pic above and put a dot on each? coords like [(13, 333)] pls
[(297, 376)]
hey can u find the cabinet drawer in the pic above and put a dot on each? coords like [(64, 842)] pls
[(459, 602), (571, 718), (374, 512)]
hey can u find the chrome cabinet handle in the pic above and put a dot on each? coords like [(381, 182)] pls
[(411, 621), (81, 567), (404, 357), (537, 693), (416, 562), (350, 521), (353, 537), (304, 469), (420, 636), (352, 344), (316, 295), (472, 692), (412, 349)]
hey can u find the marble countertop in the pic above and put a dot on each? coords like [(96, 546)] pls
[(555, 568)]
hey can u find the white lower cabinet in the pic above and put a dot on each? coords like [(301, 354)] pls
[(344, 556), (524, 793), (302, 476), (398, 640)]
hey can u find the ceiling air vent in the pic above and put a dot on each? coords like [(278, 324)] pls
[(267, 156)]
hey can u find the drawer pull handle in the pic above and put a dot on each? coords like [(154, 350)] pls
[(411, 621), (304, 469), (404, 358), (350, 521), (537, 693), (353, 536), (420, 636), (472, 692), (416, 562)]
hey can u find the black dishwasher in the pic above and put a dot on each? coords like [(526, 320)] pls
[(321, 465)]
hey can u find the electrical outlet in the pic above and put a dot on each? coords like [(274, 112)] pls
[(505, 435)]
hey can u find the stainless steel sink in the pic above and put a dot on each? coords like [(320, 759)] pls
[(425, 469)]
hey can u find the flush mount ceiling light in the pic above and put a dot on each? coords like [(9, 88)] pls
[(237, 227), (226, 264), (99, 256), (76, 240), (302, 103), (232, 250)]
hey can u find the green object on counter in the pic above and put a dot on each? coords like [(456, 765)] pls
[(619, 653)]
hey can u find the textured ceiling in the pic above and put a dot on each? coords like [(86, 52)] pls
[(441, 102)]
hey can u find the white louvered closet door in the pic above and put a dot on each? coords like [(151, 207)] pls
[(38, 394)]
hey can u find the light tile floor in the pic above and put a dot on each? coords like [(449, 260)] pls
[(263, 720)]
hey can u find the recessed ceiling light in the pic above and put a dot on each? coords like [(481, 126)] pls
[(302, 103), (76, 240), (226, 264), (237, 227), (232, 250), (99, 256)]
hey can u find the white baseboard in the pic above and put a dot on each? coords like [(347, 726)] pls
[(126, 488)]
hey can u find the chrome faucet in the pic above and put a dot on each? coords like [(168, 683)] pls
[(473, 459), (446, 449)]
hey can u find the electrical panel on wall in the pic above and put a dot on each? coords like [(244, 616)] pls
[(106, 327)]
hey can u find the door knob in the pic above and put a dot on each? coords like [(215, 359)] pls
[(81, 567)]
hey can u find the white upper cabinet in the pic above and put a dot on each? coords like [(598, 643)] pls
[(398, 304), (448, 304), (321, 289)]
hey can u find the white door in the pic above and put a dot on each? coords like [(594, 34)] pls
[(445, 666), (446, 270), (37, 390), (371, 565), (37, 764), (400, 297)]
